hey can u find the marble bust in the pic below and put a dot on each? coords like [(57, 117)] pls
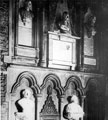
[(63, 23), (27, 104), (89, 24), (26, 12), (73, 111)]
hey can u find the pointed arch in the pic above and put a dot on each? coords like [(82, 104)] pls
[(56, 82), (91, 83), (77, 82), (31, 79)]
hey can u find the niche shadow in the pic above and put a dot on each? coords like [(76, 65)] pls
[(19, 108)]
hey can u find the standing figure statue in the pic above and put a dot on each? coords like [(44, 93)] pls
[(28, 106), (73, 111)]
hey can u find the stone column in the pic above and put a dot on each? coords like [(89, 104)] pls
[(11, 32), (43, 37), (82, 104), (10, 100), (62, 107), (37, 35), (38, 107)]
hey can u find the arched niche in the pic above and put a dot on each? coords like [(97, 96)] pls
[(91, 85), (92, 100), (25, 80), (31, 80), (74, 86), (50, 102)]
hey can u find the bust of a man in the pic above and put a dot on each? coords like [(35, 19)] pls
[(62, 23), (73, 111), (89, 24), (27, 105), (26, 11), (65, 23)]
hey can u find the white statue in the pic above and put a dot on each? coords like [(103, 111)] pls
[(73, 111), (28, 106)]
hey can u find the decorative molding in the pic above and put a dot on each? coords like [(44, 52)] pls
[(77, 82), (26, 51), (49, 107), (56, 82), (31, 79), (3, 82), (89, 68)]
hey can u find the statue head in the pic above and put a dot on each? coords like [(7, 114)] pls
[(94, 19), (72, 98), (69, 99), (65, 17), (28, 5), (27, 93)]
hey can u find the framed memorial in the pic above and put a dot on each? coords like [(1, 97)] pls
[(23, 44)]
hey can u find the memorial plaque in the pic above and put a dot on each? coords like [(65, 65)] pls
[(62, 51), (25, 33), (88, 46), (90, 61)]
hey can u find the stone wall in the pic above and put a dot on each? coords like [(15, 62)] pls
[(8, 81), (64, 83), (4, 23), (4, 40)]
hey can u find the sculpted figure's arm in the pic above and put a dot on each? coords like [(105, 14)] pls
[(65, 28)]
